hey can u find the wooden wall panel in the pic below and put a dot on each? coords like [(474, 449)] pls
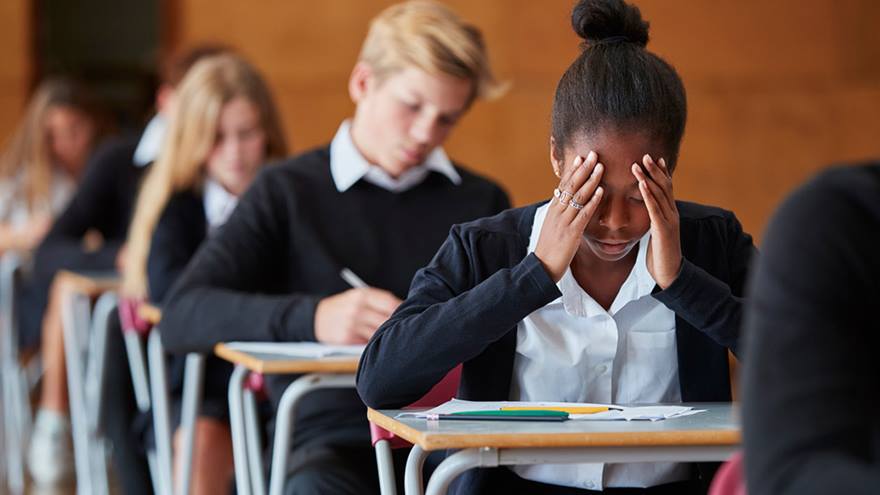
[(776, 89), (15, 52)]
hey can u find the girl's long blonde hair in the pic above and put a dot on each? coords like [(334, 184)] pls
[(28, 150), (211, 83)]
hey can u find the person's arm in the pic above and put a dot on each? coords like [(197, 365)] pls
[(177, 237), (231, 289), (63, 245), (713, 306), (450, 316), (24, 238), (810, 384)]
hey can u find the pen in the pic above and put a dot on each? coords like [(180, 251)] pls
[(567, 409), (496, 415), (352, 279)]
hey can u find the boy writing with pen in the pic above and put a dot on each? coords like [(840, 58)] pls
[(377, 201)]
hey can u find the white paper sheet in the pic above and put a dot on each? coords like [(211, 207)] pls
[(305, 350), (637, 413)]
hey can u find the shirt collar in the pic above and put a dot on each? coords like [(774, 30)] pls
[(219, 204), (151, 141), (348, 165), (639, 283)]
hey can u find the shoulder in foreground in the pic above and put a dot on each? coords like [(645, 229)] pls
[(303, 166), (834, 194)]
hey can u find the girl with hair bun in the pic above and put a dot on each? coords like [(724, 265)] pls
[(610, 292)]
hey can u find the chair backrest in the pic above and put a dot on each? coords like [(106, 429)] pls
[(130, 318), (729, 479), (440, 393)]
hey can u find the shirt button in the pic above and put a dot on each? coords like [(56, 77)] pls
[(601, 369)]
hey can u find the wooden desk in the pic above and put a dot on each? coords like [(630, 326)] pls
[(710, 436), (316, 374), (85, 339)]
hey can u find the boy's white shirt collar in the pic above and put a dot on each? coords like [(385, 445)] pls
[(348, 165), (151, 141)]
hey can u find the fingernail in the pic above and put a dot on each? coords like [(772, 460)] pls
[(577, 160), (663, 162), (598, 168)]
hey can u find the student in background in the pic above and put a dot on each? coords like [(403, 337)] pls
[(611, 292), (378, 200), (223, 129), (812, 379), (103, 204), (43, 161)]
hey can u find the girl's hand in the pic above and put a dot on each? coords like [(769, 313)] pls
[(570, 210), (664, 249)]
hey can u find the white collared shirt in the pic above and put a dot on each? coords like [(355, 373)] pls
[(151, 141), (14, 208), (348, 165), (219, 204), (573, 350)]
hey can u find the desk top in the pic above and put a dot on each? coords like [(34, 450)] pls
[(268, 364), (719, 425), (92, 284), (151, 314)]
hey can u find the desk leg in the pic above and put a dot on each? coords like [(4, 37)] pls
[(193, 376), (236, 423), (75, 318), (284, 420), (412, 478), (456, 464), (385, 463), (95, 374)]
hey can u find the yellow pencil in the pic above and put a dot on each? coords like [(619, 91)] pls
[(569, 410)]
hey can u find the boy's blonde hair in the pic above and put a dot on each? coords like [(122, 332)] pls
[(430, 36), (192, 128)]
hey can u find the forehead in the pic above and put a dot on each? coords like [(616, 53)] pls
[(447, 92), (617, 151)]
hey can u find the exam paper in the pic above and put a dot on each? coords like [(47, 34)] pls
[(635, 413), (305, 350)]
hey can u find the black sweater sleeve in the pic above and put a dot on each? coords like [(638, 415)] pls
[(811, 380), (222, 295), (450, 315), (92, 207), (177, 237), (713, 306)]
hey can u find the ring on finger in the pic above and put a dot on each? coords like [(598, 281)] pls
[(574, 204), (562, 196)]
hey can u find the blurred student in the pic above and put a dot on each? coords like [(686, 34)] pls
[(611, 292), (43, 162), (378, 200), (221, 132), (812, 378), (102, 204)]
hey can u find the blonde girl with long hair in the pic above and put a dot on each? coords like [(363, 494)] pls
[(43, 160), (223, 128)]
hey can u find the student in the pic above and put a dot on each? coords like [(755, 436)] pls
[(102, 204), (223, 129), (43, 161), (611, 292), (812, 379), (378, 200)]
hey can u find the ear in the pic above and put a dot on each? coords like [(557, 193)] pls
[(360, 81), (555, 158)]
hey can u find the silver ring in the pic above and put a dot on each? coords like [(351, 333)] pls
[(574, 204), (562, 196)]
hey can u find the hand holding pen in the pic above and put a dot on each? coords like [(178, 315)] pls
[(353, 316)]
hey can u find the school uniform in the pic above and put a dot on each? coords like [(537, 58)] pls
[(188, 219), (812, 384), (301, 222), (486, 301), (103, 202)]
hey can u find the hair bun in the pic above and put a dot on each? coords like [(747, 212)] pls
[(598, 20)]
